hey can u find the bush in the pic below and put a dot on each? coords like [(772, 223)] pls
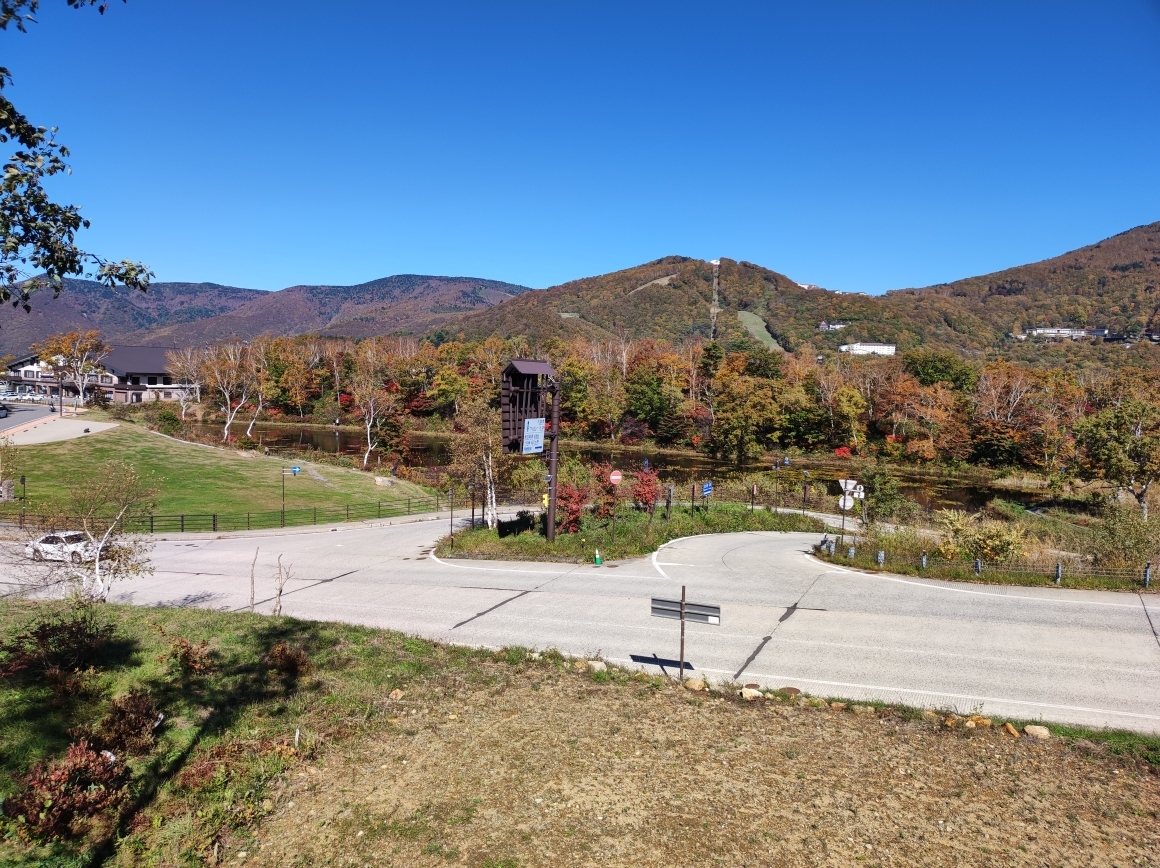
[(185, 659), (569, 507), (128, 726), (290, 663), (1124, 539), (65, 798), (988, 540), (646, 490), (63, 641), (120, 412), (167, 422)]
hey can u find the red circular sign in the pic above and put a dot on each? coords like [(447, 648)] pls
[(614, 477)]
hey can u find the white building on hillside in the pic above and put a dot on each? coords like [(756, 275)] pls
[(864, 348)]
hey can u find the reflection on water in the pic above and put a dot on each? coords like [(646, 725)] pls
[(679, 469)]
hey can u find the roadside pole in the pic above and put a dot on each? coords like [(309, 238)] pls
[(553, 459)]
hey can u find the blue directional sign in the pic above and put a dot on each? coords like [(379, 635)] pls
[(533, 441), (295, 470), (706, 489)]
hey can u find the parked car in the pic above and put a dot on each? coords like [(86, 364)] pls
[(3, 412), (71, 546)]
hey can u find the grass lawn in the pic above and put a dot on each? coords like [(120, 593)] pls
[(200, 479), (634, 535), (389, 751)]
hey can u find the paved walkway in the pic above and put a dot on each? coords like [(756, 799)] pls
[(52, 429), (1085, 657)]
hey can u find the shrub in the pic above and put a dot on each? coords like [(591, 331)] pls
[(290, 663), (646, 490), (127, 727), (63, 799), (63, 640), (185, 658), (167, 422), (120, 412), (602, 491), (569, 507), (1124, 539), (968, 538)]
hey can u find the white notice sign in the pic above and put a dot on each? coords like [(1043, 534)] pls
[(533, 436)]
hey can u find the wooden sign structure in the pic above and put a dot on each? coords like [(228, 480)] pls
[(524, 389)]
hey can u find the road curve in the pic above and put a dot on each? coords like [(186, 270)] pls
[(1085, 657)]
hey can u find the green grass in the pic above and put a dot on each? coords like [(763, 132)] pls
[(634, 535), (199, 479)]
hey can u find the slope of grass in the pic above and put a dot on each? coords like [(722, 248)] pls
[(199, 479), (392, 750)]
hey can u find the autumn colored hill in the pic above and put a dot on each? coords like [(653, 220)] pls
[(192, 314), (85, 304), (1112, 285)]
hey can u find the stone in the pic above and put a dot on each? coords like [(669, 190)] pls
[(396, 694), (597, 666), (838, 706), (816, 703), (970, 724), (536, 655), (749, 694), (1042, 733), (384, 480), (695, 684), (930, 715), (951, 722), (980, 720), (1010, 730), (862, 709), (580, 664)]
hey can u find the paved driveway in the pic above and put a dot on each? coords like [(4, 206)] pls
[(1076, 656), (22, 414)]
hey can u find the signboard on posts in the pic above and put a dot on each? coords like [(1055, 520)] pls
[(706, 489), (698, 612), (533, 440)]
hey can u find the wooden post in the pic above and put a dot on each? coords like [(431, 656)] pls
[(553, 462)]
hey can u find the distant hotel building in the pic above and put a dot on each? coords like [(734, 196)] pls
[(824, 326), (868, 349)]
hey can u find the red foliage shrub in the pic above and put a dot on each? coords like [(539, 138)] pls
[(646, 490), (190, 661), (842, 452), (127, 727), (570, 502), (63, 640), (65, 798)]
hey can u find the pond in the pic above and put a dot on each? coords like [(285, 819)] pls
[(680, 469)]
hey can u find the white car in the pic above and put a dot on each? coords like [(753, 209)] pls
[(71, 546)]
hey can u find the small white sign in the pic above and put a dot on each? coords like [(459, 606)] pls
[(533, 441), (845, 502)]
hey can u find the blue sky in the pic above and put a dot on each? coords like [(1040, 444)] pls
[(858, 146)]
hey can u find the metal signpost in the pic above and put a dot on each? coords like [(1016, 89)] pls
[(685, 611), (706, 490), (852, 492), (293, 471), (614, 477), (777, 465)]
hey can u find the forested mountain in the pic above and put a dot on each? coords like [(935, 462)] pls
[(191, 314), (404, 303), (85, 304), (1110, 285)]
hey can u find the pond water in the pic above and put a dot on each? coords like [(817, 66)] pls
[(679, 469)]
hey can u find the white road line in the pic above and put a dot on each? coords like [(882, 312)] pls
[(991, 594), (970, 696), (571, 568)]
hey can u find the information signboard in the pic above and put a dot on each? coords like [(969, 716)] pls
[(533, 440)]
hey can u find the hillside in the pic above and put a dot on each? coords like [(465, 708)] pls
[(85, 304), (404, 303), (185, 314), (1112, 284)]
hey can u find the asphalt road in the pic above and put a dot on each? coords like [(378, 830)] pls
[(1085, 657), (20, 414)]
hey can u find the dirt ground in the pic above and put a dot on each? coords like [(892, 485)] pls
[(553, 769)]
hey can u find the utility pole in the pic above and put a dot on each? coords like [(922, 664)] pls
[(553, 456)]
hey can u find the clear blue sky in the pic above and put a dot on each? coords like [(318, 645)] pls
[(860, 146)]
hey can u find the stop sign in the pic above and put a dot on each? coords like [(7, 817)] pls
[(614, 477)]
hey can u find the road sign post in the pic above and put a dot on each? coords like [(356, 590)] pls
[(525, 385), (685, 611), (293, 471), (614, 477)]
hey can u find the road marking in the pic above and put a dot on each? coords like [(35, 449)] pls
[(570, 568), (968, 696), (993, 594), (669, 564)]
